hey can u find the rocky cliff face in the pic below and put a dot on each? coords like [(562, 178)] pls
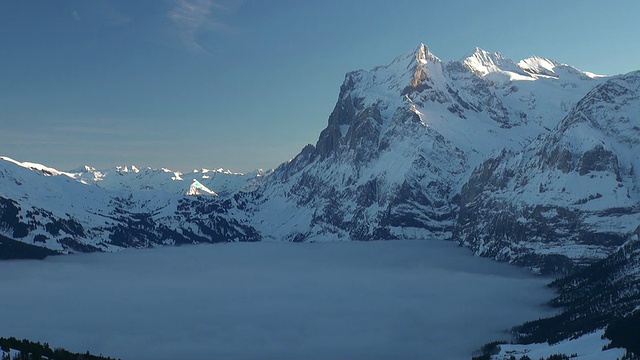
[(403, 138), (570, 197), (530, 162)]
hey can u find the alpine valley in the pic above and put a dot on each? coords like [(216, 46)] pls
[(532, 162)]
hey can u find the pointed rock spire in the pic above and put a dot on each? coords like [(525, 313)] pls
[(423, 55), (420, 73)]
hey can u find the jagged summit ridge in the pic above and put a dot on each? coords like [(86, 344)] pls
[(400, 142), (533, 163), (424, 55), (409, 150), (536, 65), (421, 72), (133, 178), (483, 63)]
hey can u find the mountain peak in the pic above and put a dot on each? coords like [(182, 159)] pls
[(483, 62), (544, 67), (42, 169), (425, 64), (424, 55), (479, 52), (537, 65), (197, 188), (82, 169)]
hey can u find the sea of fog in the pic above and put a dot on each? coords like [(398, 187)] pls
[(269, 300)]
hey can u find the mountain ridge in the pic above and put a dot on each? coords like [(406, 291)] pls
[(533, 163), (573, 187), (395, 161)]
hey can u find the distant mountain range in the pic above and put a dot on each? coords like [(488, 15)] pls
[(532, 162)]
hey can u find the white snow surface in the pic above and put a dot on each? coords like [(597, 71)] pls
[(11, 354), (271, 300), (468, 110), (606, 119), (197, 188), (74, 196), (220, 181), (132, 178), (586, 347)]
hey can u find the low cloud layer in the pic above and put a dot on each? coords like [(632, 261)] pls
[(374, 300)]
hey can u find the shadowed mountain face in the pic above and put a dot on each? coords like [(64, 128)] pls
[(530, 162), (572, 194), (404, 138)]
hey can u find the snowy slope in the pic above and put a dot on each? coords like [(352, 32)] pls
[(600, 312), (402, 140), (587, 347), (532, 162), (393, 161), (572, 194), (64, 212)]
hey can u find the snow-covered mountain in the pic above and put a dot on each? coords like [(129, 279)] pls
[(403, 138), (132, 178), (65, 212), (532, 162), (571, 196), (529, 161)]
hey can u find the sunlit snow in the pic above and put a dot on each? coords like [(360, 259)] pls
[(586, 347)]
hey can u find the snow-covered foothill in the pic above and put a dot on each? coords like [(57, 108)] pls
[(592, 346), (68, 212), (410, 150)]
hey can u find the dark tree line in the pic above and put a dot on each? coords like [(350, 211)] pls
[(625, 333), (29, 350)]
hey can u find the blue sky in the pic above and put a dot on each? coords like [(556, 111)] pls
[(239, 84)]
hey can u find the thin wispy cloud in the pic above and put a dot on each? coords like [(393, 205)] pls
[(190, 13), (94, 126), (191, 17), (65, 132), (100, 13)]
